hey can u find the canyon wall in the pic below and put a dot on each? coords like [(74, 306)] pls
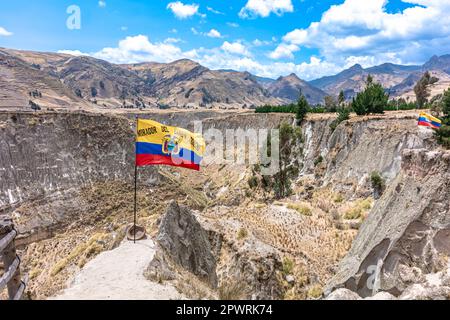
[(407, 233)]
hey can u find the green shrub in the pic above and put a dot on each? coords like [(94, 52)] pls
[(302, 109), (343, 114), (377, 181), (288, 266), (443, 134), (253, 182), (318, 161), (372, 100)]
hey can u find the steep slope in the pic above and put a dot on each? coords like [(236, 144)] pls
[(406, 235), (438, 63), (97, 78), (19, 77), (290, 88)]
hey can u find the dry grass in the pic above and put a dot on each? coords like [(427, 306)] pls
[(242, 234), (85, 250), (358, 210), (236, 290), (315, 292), (303, 209)]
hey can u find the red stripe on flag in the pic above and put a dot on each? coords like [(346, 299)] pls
[(152, 160), (427, 124)]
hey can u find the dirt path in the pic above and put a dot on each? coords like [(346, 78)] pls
[(118, 275)]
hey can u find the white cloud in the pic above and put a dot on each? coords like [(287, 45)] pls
[(140, 49), (284, 51), (4, 32), (183, 11), (260, 43), (365, 31), (233, 24), (235, 48), (173, 40), (231, 55), (102, 4), (73, 52), (124, 28), (214, 11), (213, 33), (194, 31), (264, 8)]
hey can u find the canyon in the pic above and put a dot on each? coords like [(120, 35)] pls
[(67, 182)]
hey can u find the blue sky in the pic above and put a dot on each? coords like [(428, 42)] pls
[(266, 37)]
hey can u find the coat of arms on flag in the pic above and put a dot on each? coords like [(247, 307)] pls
[(157, 144)]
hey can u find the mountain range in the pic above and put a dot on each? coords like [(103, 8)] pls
[(56, 80)]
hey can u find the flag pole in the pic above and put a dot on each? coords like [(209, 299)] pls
[(135, 188), (135, 201)]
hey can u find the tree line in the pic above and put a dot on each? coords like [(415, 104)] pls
[(375, 100)]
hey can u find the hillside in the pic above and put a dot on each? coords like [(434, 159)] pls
[(184, 83), (61, 81), (290, 88), (398, 80), (65, 81), (352, 80)]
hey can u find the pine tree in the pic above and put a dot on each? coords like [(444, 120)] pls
[(443, 133), (302, 109), (421, 89), (372, 100), (341, 98)]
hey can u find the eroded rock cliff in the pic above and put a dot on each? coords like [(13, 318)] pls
[(407, 233)]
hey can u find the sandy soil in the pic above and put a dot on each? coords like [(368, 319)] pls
[(118, 275)]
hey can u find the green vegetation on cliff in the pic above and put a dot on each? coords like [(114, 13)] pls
[(443, 134)]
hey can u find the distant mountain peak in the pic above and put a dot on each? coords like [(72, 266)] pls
[(289, 77), (356, 66), (290, 87)]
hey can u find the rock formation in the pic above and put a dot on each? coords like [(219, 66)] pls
[(181, 240), (407, 234)]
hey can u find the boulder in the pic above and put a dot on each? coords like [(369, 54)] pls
[(382, 296), (425, 292), (343, 294), (183, 242)]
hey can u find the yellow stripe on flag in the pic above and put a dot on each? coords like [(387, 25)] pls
[(150, 131)]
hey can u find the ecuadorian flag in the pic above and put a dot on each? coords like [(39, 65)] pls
[(157, 144), (427, 120)]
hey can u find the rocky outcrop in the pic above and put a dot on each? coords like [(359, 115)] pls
[(182, 240), (407, 233), (257, 266), (359, 147), (208, 250), (249, 263)]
